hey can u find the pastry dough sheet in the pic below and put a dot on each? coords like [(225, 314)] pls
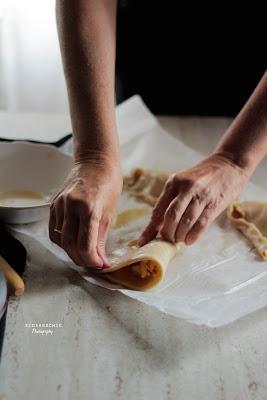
[(250, 218), (145, 185)]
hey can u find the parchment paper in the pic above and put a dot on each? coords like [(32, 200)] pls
[(215, 281)]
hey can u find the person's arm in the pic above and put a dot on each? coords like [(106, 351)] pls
[(193, 198), (245, 142), (87, 34), (82, 210)]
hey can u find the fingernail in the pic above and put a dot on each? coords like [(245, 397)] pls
[(188, 241), (106, 263)]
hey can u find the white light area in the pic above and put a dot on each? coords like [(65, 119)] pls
[(28, 9), (31, 74), (1, 9)]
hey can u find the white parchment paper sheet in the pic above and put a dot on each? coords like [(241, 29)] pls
[(215, 281)]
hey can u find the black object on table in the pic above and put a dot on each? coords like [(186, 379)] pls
[(58, 143), (10, 248)]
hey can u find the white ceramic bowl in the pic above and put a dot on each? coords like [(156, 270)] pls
[(29, 176)]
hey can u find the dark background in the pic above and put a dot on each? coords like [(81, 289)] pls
[(190, 59)]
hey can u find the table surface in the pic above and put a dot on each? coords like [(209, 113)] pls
[(112, 347)]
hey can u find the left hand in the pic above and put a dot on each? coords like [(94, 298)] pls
[(82, 211), (193, 198)]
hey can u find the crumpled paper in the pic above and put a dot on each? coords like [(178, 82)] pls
[(214, 282)]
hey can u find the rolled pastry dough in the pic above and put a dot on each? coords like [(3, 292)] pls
[(141, 268), (250, 217)]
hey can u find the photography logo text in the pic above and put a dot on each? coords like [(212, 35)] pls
[(44, 328)]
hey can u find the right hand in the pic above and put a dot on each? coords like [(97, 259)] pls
[(193, 198), (82, 211)]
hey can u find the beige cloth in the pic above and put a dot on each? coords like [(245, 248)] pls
[(141, 268), (250, 217)]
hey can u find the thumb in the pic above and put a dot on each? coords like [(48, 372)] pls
[(157, 217), (148, 234)]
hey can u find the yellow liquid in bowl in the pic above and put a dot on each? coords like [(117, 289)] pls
[(21, 198)]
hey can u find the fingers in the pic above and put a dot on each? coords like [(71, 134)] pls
[(52, 223), (102, 238), (75, 229), (87, 241), (63, 229), (157, 216), (189, 218), (69, 236), (202, 223), (56, 221), (173, 216)]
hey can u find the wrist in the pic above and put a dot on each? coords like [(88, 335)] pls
[(96, 144), (95, 156), (245, 162), (99, 161), (106, 154)]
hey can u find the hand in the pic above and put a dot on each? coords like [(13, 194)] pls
[(193, 198), (82, 211)]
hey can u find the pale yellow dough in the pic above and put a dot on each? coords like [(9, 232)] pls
[(141, 268), (250, 218), (145, 185)]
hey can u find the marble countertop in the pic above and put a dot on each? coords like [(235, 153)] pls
[(112, 347)]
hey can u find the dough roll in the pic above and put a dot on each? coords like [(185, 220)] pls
[(141, 268), (250, 218)]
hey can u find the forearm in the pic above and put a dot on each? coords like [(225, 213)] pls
[(245, 142), (87, 34)]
